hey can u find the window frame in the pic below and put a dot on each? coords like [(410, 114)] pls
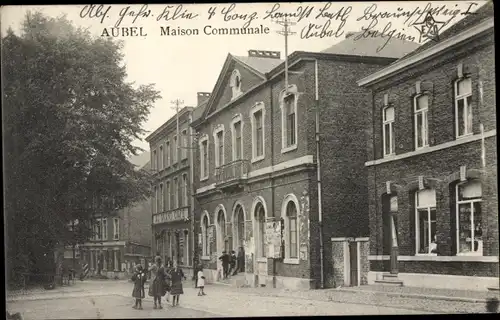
[(155, 197), (259, 106), (160, 158), (391, 125), (153, 159), (175, 150), (175, 193), (236, 119), (292, 91), (167, 196), (161, 198), (429, 222), (291, 198), (116, 229), (185, 195), (425, 117), (219, 129), (168, 153), (204, 234), (236, 90), (184, 144), (457, 218), (463, 97), (104, 228), (204, 161)]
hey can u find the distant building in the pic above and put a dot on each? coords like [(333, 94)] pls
[(121, 238), (172, 203), (432, 169), (258, 161)]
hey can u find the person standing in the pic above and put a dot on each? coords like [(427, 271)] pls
[(200, 283), (225, 264), (168, 279), (139, 278), (157, 286), (177, 275), (232, 264)]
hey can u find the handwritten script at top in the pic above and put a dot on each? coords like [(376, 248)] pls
[(318, 21)]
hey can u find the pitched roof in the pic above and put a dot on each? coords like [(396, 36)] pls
[(358, 45), (199, 110), (484, 12), (261, 64)]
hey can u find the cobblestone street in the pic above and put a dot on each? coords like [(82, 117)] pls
[(111, 299)]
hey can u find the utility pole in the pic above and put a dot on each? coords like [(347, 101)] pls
[(177, 103), (286, 23)]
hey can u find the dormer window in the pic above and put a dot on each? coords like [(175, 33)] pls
[(236, 83)]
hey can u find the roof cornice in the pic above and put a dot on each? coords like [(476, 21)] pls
[(447, 44)]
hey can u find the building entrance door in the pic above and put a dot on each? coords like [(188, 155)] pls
[(353, 263), (260, 245)]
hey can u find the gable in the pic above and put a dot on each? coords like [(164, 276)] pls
[(223, 91)]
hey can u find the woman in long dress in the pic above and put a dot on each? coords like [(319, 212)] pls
[(176, 275), (157, 286)]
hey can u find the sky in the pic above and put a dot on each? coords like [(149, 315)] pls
[(181, 66)]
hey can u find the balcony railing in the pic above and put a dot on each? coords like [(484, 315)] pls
[(233, 171)]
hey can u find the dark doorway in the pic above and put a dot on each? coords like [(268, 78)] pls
[(353, 261)]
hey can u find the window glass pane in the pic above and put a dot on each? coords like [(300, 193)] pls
[(426, 198), (460, 117), (464, 87), (464, 228), (389, 114), (423, 230), (470, 190), (422, 102), (388, 146), (469, 114), (478, 229), (394, 204), (419, 129)]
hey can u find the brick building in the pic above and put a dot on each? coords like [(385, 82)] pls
[(121, 238), (432, 169), (257, 168), (172, 222)]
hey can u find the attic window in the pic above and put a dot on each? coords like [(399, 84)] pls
[(236, 83)]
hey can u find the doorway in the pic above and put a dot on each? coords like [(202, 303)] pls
[(260, 241), (353, 263)]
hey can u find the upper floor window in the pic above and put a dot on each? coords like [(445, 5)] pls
[(160, 158), (219, 146), (174, 151), (463, 107), (205, 235), (167, 154), (184, 144), (97, 229), (185, 186), (155, 197), (421, 107), (469, 218), (237, 141), (104, 229), (235, 83), (388, 130), (289, 118), (153, 160), (161, 199), (175, 193), (204, 157), (167, 196), (116, 228), (257, 116), (425, 218)]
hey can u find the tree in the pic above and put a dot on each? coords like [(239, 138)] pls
[(69, 122)]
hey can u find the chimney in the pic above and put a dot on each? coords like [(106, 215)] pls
[(350, 34), (202, 97), (264, 54)]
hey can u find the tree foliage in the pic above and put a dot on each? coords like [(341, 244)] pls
[(69, 120)]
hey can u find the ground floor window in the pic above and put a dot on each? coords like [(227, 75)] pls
[(469, 218), (425, 216)]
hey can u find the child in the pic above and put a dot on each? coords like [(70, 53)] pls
[(201, 281), (138, 293)]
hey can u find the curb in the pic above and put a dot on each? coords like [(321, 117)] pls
[(420, 296)]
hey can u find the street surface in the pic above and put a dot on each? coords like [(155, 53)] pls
[(112, 299)]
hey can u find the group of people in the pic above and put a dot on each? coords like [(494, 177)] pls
[(232, 264), (165, 280)]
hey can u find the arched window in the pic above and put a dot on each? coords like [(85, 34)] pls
[(425, 221), (205, 237), (292, 230), (221, 236), (239, 221), (260, 216), (469, 218)]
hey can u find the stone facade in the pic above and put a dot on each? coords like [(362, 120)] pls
[(286, 175), (446, 162)]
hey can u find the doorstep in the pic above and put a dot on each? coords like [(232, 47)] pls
[(425, 293)]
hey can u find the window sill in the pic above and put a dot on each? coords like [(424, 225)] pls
[(469, 254), (388, 156), (205, 258), (426, 255), (204, 179), (464, 136), (257, 159), (422, 148), (291, 261), (262, 259), (288, 149)]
